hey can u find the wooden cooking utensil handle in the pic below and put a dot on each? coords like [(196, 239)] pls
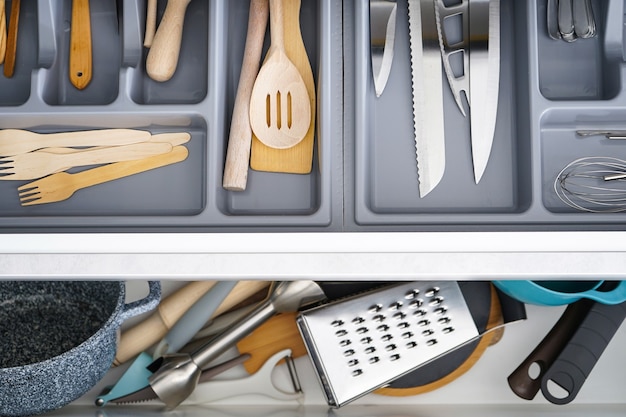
[(240, 138), (11, 48), (151, 18), (80, 67), (163, 56), (3, 30)]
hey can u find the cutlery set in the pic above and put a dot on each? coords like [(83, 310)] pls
[(45, 156)]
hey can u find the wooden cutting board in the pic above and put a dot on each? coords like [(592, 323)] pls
[(299, 158)]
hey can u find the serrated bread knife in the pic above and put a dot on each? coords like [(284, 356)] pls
[(427, 83), (382, 39)]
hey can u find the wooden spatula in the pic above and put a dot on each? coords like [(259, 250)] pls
[(280, 113), (80, 68), (299, 158)]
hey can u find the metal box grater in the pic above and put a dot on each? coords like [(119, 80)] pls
[(360, 344)]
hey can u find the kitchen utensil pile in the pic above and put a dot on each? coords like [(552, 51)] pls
[(272, 126), (569, 20), (26, 155), (431, 49), (412, 324)]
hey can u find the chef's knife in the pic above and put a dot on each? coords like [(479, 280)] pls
[(484, 69), (382, 39), (427, 83)]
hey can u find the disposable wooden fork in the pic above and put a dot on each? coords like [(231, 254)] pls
[(62, 185), (46, 161)]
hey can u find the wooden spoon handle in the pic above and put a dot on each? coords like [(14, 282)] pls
[(3, 30), (80, 45), (163, 56), (151, 18), (277, 24), (11, 48), (240, 138)]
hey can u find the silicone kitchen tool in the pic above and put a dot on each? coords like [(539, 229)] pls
[(15, 141), (280, 111), (66, 340), (162, 58), (37, 164), (547, 351), (297, 159), (151, 19), (3, 31), (210, 390), (240, 136), (62, 185), (553, 293), (576, 361), (363, 343), (11, 48), (143, 335), (80, 65), (176, 376)]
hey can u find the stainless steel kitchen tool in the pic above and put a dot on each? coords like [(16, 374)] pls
[(382, 40), (210, 390), (569, 20), (175, 376), (427, 92), (593, 184), (484, 83), (363, 343)]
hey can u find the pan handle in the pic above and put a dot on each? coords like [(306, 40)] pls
[(527, 386), (145, 304), (574, 364)]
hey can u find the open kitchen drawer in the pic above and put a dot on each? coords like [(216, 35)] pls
[(357, 215)]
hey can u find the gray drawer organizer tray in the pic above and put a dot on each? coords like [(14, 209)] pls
[(364, 175)]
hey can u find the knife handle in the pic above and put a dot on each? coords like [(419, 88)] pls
[(527, 386), (574, 364), (80, 67)]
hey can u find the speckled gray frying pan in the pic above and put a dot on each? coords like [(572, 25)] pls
[(58, 339)]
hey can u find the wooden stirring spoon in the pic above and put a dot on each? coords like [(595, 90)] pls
[(280, 110), (80, 68), (151, 18), (11, 49), (163, 56), (3, 30)]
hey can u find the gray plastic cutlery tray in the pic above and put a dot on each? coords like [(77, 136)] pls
[(364, 174)]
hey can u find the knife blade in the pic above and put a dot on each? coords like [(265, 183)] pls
[(382, 40), (484, 69), (426, 80)]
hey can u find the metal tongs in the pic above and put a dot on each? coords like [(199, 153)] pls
[(570, 19)]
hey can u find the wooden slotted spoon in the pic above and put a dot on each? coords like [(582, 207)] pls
[(299, 158), (280, 111)]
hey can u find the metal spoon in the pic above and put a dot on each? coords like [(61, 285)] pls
[(566, 20)]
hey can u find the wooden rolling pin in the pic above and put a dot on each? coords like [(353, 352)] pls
[(148, 332)]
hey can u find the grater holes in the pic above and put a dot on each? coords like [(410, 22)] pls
[(387, 337), (357, 372), (444, 320), (374, 359), (403, 325), (431, 342), (428, 332), (411, 294), (399, 315), (362, 330), (420, 313), (391, 347), (375, 308), (437, 301), (341, 333), (383, 328), (353, 362), (345, 342), (407, 335), (395, 306), (411, 344), (432, 292), (394, 357), (379, 318), (416, 303), (448, 329), (370, 349), (440, 311), (358, 320), (367, 340), (423, 323), (349, 352), (337, 323)]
